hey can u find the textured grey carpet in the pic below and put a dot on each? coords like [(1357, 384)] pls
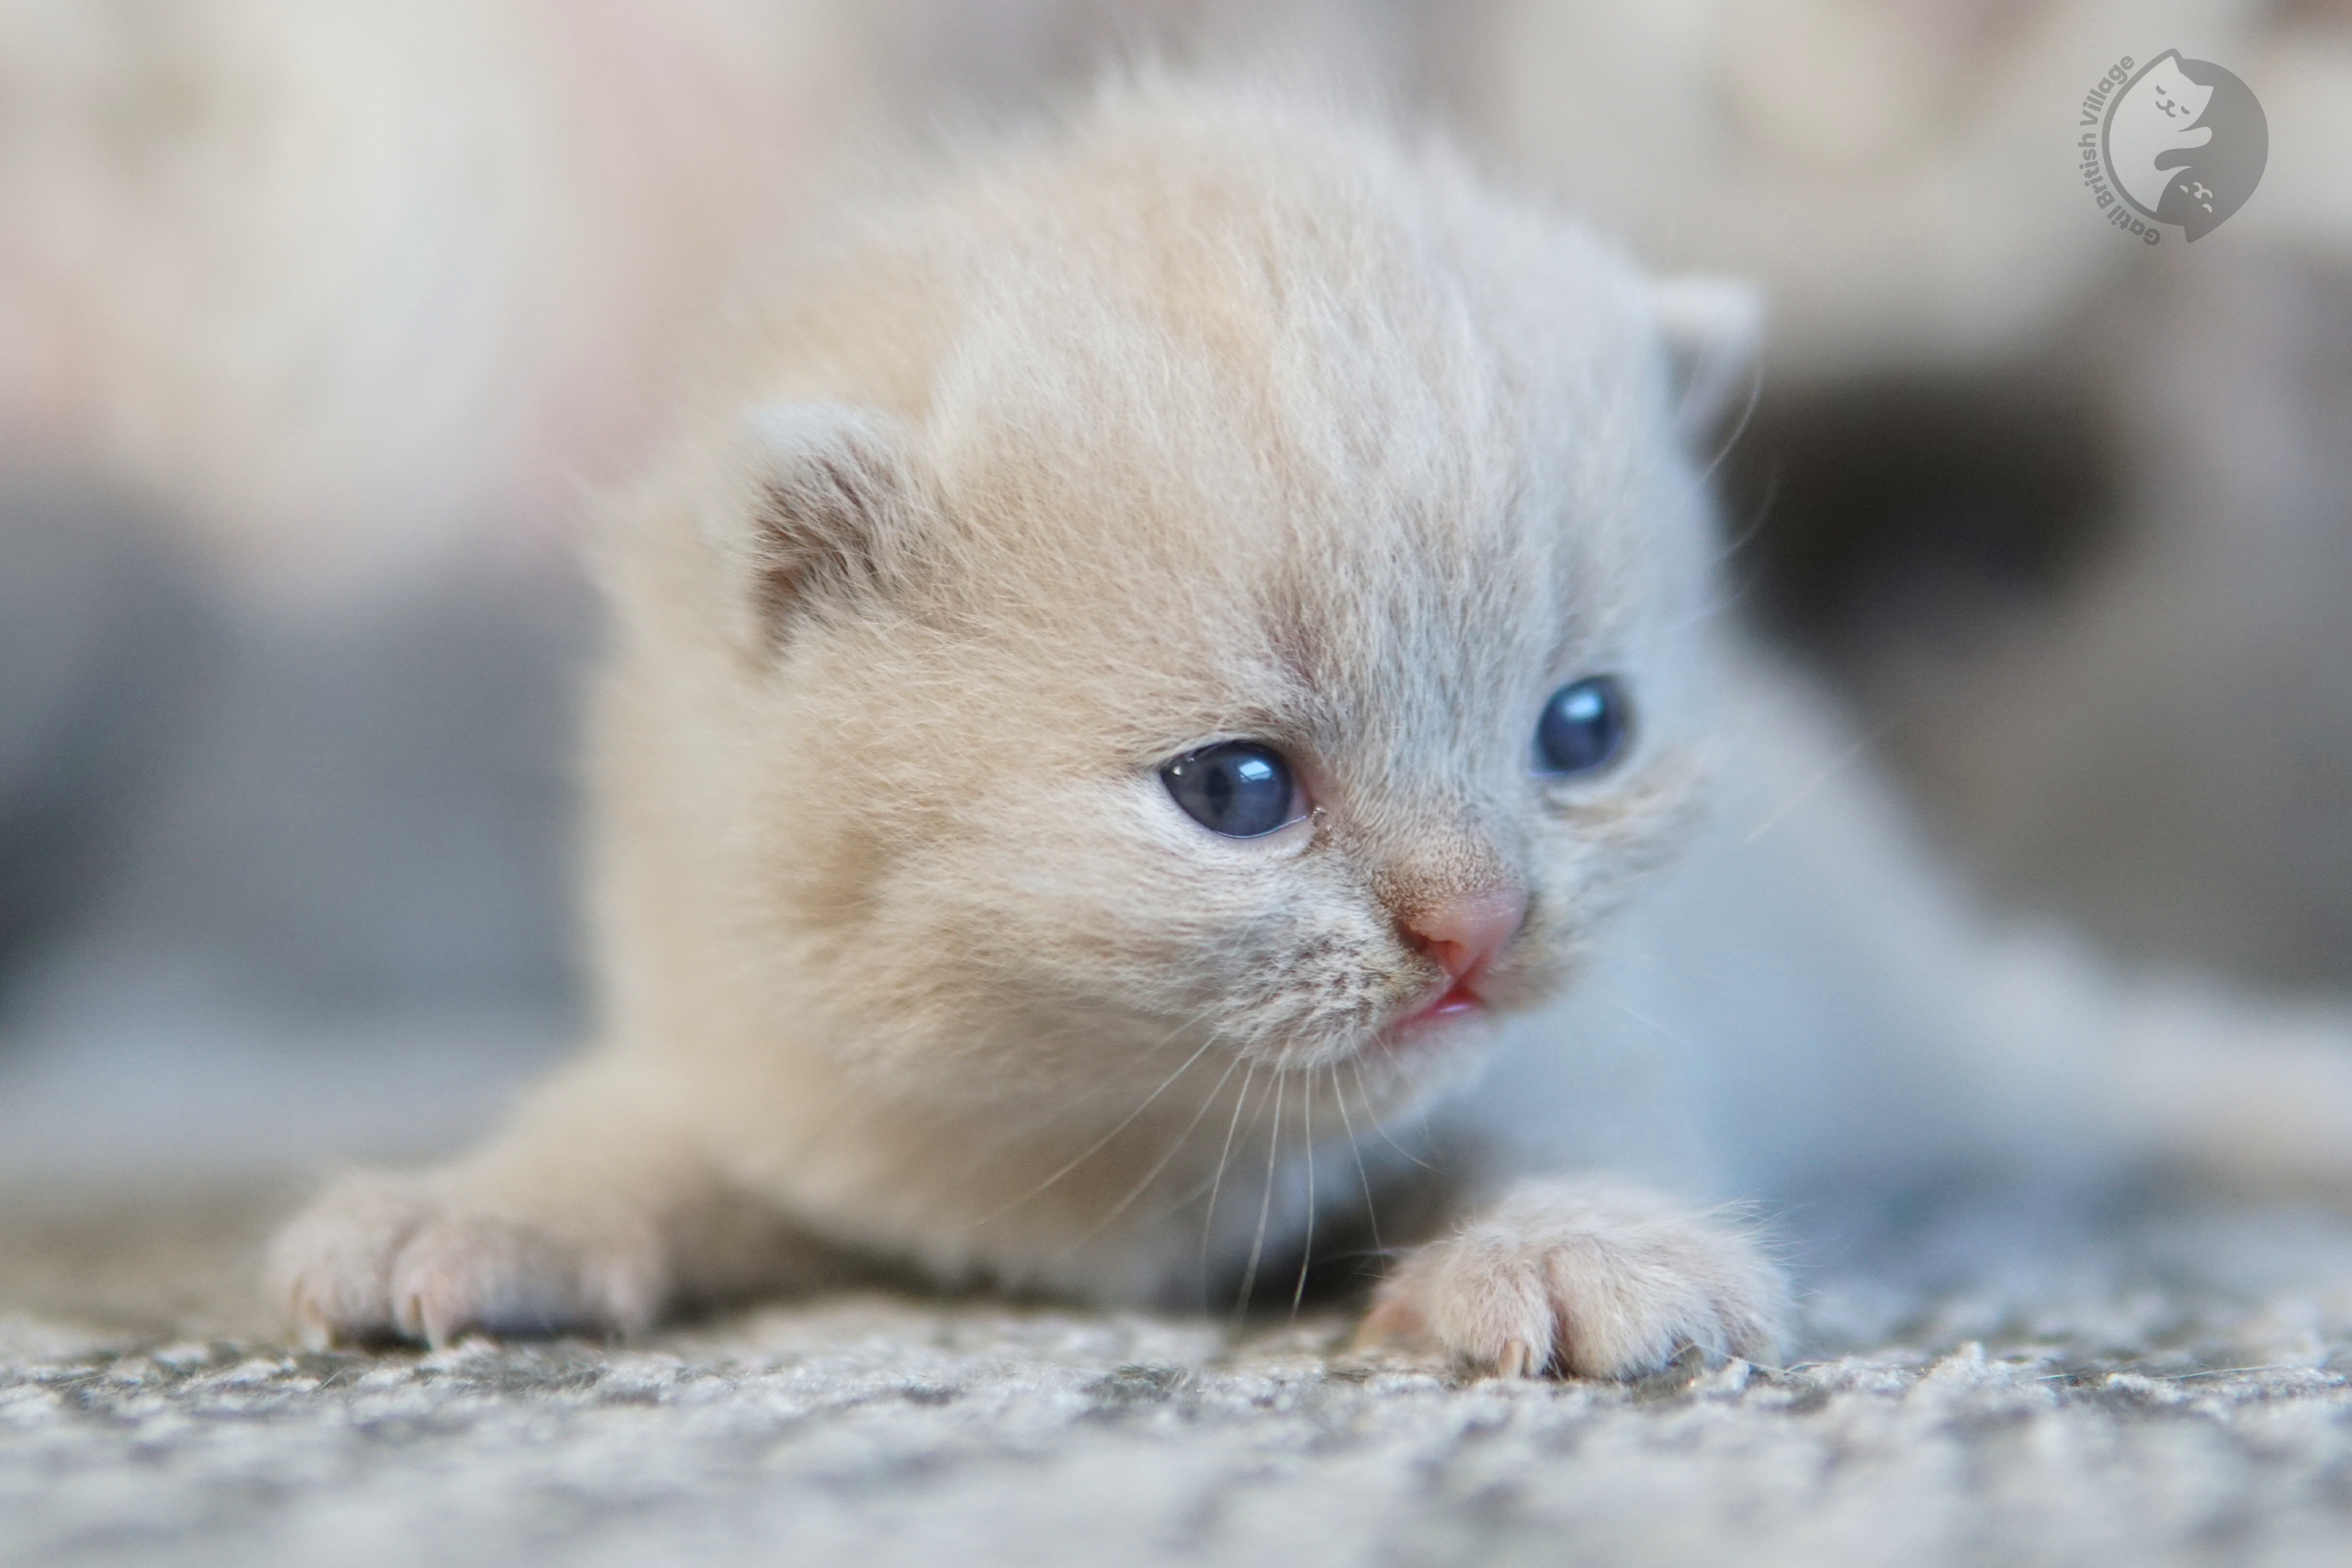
[(1992, 1384)]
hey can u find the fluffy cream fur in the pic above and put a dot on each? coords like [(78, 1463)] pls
[(1216, 417)]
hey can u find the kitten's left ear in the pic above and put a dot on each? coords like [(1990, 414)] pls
[(1713, 329), (834, 497)]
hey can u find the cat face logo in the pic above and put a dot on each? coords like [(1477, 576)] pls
[(2184, 142)]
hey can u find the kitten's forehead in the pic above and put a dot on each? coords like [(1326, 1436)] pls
[(1329, 386)]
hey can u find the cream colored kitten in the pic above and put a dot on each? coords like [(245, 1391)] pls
[(1171, 653)]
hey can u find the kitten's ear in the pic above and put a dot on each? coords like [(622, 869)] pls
[(1714, 328), (834, 491)]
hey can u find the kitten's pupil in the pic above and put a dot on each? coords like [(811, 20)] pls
[(1584, 725), (1239, 788)]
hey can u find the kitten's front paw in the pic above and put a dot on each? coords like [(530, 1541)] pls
[(380, 1257), (1583, 1279)]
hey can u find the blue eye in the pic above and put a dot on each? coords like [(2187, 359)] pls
[(1584, 725), (1239, 788)]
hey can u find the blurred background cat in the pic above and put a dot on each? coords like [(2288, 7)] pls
[(314, 320)]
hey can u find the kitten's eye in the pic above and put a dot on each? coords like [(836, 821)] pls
[(1239, 788), (1584, 725)]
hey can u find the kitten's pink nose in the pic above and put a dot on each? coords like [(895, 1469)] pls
[(1462, 934)]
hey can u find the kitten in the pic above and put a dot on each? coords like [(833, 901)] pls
[(1171, 652)]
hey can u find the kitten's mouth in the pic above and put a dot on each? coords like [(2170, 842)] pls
[(1459, 1002)]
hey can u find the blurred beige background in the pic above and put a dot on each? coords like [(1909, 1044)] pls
[(319, 317)]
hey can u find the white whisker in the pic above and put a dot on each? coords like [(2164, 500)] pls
[(1364, 1091), (1306, 1134), (1174, 1148), (1208, 1219), (1642, 1017), (1364, 1177), (1739, 427), (1265, 1205), (1097, 1146), (1844, 759)]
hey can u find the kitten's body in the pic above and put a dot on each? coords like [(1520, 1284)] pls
[(1216, 421)]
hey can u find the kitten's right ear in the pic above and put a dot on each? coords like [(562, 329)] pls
[(1713, 329), (833, 491)]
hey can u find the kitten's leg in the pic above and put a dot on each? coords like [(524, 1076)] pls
[(2257, 1096), (1588, 1278), (594, 1210)]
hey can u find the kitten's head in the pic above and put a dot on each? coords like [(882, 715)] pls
[(1220, 585)]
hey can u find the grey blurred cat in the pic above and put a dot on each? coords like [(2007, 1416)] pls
[(1153, 711)]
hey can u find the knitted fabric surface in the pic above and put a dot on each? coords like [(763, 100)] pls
[(1993, 1383)]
